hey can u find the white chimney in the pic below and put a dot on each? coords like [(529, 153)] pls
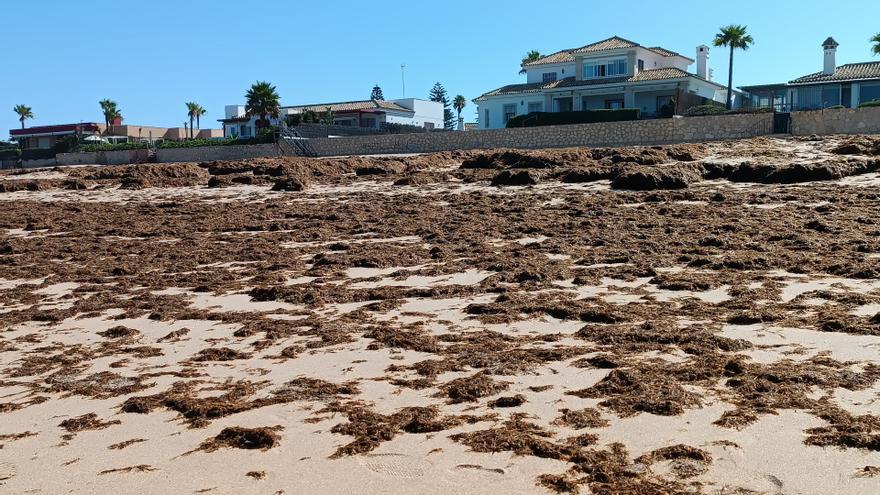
[(830, 47), (703, 62)]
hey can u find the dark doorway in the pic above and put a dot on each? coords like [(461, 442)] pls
[(781, 123)]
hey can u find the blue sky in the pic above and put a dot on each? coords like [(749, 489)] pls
[(151, 57)]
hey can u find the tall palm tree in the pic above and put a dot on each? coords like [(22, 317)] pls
[(110, 111), (194, 111), (735, 37), (262, 100), (24, 112), (458, 104), (201, 111), (531, 56), (876, 40)]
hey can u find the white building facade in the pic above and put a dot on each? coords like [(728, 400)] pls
[(366, 114), (610, 74)]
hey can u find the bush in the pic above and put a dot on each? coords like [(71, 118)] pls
[(703, 110), (867, 104), (37, 153), (113, 147), (836, 107), (718, 109), (537, 119)]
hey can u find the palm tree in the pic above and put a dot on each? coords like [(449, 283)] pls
[(194, 111), (532, 56), (876, 40), (733, 36), (262, 100), (110, 111), (24, 112), (458, 104)]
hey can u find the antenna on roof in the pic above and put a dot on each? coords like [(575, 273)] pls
[(403, 78)]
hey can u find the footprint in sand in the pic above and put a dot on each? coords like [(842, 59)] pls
[(7, 470), (396, 465)]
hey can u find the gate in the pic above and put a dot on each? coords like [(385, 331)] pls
[(781, 123)]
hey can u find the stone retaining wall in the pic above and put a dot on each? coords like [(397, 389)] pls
[(640, 132), (209, 153), (838, 121), (122, 157)]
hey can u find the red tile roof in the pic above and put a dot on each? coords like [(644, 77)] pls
[(848, 72), (571, 82), (351, 106), (613, 43)]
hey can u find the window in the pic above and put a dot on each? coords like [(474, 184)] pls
[(549, 77), (609, 68), (430, 125), (613, 104), (369, 123), (245, 131), (486, 119), (641, 65), (509, 111), (869, 92), (536, 106)]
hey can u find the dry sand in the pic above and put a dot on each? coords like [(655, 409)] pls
[(398, 325)]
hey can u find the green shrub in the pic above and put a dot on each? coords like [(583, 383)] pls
[(537, 119), (37, 153), (836, 107), (867, 104), (702, 110), (114, 147)]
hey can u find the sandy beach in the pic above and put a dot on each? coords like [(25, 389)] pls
[(688, 319)]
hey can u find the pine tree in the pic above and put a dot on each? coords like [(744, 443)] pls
[(377, 93), (438, 94)]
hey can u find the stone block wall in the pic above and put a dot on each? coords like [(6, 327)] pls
[(209, 153), (837, 121), (641, 132)]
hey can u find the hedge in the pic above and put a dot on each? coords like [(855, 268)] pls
[(37, 153), (867, 104), (537, 119)]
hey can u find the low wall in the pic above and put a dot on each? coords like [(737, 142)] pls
[(209, 153), (837, 121), (123, 157), (641, 132), (43, 162)]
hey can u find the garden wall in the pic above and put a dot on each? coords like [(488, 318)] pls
[(209, 153), (837, 121), (641, 132), (123, 157)]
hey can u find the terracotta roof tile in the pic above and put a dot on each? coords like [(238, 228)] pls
[(848, 72), (571, 82), (613, 43), (352, 106)]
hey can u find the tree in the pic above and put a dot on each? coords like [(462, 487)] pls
[(328, 116), (111, 112), (458, 104), (438, 94), (263, 101), (194, 111), (377, 93), (735, 37), (876, 40), (532, 56), (24, 112)]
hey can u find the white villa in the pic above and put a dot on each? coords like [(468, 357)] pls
[(366, 114), (610, 74)]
